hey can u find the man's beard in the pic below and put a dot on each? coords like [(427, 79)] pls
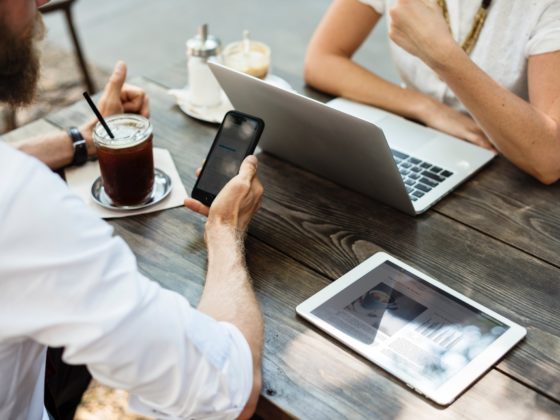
[(19, 63)]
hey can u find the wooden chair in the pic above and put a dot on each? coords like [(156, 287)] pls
[(64, 6)]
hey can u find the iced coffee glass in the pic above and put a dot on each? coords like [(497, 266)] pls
[(250, 57), (127, 161)]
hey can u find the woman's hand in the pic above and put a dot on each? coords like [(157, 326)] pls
[(446, 119), (418, 26)]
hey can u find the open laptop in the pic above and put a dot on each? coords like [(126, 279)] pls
[(371, 151)]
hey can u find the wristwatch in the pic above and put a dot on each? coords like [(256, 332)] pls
[(80, 147)]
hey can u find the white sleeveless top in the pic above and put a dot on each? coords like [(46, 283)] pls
[(514, 30)]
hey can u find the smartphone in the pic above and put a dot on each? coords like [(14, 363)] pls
[(236, 139)]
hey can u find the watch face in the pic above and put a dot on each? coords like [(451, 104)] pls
[(80, 147)]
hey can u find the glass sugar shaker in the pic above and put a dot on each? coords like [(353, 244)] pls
[(204, 90)]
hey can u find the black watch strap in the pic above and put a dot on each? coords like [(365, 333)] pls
[(80, 147)]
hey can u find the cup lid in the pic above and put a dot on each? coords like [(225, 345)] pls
[(203, 45), (128, 129)]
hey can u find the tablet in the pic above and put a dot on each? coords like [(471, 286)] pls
[(431, 337)]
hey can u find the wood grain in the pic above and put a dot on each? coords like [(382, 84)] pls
[(30, 130), (511, 206)]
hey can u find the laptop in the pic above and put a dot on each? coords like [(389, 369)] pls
[(382, 155)]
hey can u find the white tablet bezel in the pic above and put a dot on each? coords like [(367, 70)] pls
[(446, 393)]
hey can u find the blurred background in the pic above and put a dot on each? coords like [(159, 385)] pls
[(150, 36)]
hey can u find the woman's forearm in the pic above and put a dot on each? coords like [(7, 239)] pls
[(340, 76), (329, 66), (524, 134)]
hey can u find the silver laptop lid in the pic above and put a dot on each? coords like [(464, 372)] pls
[(347, 150)]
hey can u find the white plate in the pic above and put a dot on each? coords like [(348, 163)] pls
[(215, 114)]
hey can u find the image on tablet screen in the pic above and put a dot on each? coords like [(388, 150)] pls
[(412, 325)]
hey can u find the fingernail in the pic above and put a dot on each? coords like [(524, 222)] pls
[(119, 66), (252, 159)]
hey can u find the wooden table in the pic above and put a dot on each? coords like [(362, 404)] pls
[(495, 239)]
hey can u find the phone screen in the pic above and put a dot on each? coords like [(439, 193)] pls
[(235, 140)]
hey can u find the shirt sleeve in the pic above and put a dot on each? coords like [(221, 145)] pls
[(65, 280), (545, 37), (377, 5)]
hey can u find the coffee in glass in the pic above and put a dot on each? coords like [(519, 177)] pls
[(127, 161)]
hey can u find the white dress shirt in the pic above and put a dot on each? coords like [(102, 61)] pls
[(514, 30), (65, 280)]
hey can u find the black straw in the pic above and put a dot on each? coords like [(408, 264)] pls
[(98, 114)]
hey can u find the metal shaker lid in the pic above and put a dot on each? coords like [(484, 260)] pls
[(203, 45)]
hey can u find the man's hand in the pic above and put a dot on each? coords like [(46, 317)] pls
[(117, 98), (418, 26), (446, 119), (238, 201)]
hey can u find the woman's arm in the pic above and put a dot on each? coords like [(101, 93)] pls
[(329, 67), (526, 133)]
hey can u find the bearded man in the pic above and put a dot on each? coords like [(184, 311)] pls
[(19, 72), (66, 282)]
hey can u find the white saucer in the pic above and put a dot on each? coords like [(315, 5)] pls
[(211, 114), (215, 114), (278, 82)]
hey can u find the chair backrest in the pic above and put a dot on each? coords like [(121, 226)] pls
[(55, 5)]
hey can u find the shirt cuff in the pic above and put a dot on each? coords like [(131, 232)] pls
[(543, 43), (245, 363), (377, 5)]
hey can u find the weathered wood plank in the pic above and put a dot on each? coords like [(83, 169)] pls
[(508, 204), (29, 130)]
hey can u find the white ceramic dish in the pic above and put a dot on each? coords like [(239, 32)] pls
[(215, 114)]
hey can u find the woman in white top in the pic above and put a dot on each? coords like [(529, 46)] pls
[(492, 80)]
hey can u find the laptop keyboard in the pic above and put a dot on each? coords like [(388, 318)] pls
[(419, 176)]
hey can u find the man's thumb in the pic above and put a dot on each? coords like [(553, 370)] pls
[(248, 168), (117, 79)]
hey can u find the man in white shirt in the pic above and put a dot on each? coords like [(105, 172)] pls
[(66, 281)]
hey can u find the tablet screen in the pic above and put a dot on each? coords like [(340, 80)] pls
[(413, 326)]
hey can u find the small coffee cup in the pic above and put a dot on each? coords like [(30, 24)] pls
[(249, 57)]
